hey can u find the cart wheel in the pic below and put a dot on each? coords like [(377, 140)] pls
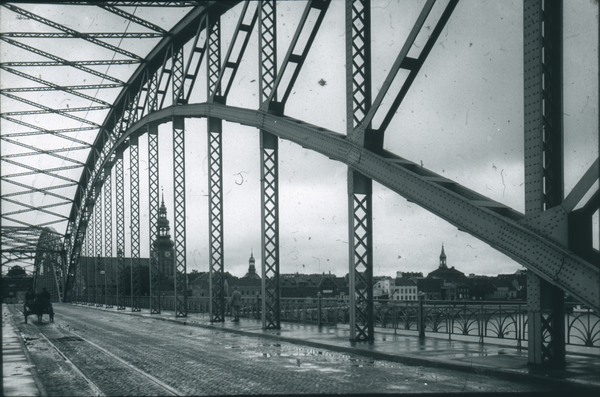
[(52, 317), (25, 315)]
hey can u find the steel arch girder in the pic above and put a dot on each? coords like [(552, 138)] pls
[(178, 36), (527, 246)]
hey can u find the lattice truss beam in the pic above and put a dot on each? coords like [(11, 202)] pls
[(39, 252), (54, 101), (160, 90)]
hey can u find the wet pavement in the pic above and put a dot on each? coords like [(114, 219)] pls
[(17, 377), (433, 351)]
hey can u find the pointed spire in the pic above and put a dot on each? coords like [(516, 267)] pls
[(163, 222), (443, 258)]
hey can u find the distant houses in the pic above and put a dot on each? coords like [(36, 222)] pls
[(448, 283), (442, 283)]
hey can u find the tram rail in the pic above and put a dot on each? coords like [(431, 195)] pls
[(80, 370)]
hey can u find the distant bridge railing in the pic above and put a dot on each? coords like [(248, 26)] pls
[(506, 320)]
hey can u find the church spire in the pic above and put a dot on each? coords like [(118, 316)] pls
[(251, 263), (443, 259), (163, 222), (251, 268)]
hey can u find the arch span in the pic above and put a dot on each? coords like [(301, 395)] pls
[(494, 223)]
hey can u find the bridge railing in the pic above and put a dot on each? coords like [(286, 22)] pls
[(506, 320)]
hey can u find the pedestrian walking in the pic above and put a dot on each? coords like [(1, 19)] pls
[(236, 302)]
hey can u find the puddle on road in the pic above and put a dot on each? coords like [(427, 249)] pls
[(304, 367)]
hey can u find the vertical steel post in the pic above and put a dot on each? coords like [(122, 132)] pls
[(134, 225), (108, 242), (90, 257), (73, 283), (78, 248), (98, 210), (179, 217), (542, 39), (215, 182), (270, 231), (319, 310), (153, 200), (269, 168), (360, 217), (421, 315), (120, 203), (215, 176), (179, 188)]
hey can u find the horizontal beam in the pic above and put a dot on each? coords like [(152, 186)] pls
[(117, 35)]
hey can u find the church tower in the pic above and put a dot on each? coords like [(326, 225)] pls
[(443, 259), (163, 245), (251, 268)]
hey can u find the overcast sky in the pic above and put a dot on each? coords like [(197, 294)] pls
[(463, 118)]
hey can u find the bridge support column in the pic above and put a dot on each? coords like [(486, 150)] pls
[(99, 211), (108, 241), (360, 188), (120, 203), (270, 231), (89, 260), (360, 242), (155, 276), (269, 169), (542, 46), (215, 174), (546, 324), (179, 217), (134, 175), (215, 183)]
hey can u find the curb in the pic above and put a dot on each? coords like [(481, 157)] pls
[(27, 356)]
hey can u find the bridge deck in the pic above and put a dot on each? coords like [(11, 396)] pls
[(504, 361), (434, 353)]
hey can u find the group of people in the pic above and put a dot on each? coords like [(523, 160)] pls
[(42, 298)]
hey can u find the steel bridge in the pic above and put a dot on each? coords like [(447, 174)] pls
[(78, 104)]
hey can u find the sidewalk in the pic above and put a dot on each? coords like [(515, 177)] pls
[(435, 350), (17, 377)]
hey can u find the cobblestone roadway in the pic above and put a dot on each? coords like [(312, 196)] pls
[(201, 361)]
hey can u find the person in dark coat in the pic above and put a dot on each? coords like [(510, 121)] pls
[(43, 300), (29, 297), (45, 295)]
